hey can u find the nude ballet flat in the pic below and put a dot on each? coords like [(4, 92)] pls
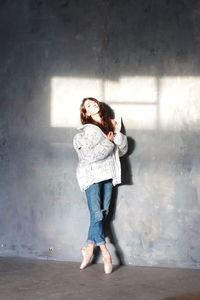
[(87, 259), (107, 265)]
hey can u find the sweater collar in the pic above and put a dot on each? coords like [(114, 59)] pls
[(86, 125), (117, 128)]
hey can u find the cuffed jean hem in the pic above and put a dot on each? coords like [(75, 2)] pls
[(101, 243), (90, 242), (97, 244)]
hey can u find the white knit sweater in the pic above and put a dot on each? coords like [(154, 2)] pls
[(98, 156)]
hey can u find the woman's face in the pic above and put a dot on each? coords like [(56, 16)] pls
[(91, 107)]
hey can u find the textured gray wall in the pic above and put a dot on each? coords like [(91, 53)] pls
[(155, 217)]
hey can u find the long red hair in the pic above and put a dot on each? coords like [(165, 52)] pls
[(106, 125)]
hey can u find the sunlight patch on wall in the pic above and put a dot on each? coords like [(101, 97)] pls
[(144, 103), (179, 102), (137, 116), (132, 89), (67, 94)]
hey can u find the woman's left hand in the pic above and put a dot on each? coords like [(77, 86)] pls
[(110, 136)]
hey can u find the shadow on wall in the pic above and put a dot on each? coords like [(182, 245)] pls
[(127, 178), (189, 296)]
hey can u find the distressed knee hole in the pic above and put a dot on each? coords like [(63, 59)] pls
[(98, 215)]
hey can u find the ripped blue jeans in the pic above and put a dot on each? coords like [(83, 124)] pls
[(98, 200)]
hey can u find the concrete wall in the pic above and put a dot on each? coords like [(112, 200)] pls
[(142, 58)]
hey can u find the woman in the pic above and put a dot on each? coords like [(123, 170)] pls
[(99, 144)]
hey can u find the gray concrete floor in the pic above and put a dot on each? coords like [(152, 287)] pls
[(33, 279)]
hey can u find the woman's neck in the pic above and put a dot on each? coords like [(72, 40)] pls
[(97, 118)]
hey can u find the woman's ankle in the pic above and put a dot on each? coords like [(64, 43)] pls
[(90, 247), (106, 256), (105, 252)]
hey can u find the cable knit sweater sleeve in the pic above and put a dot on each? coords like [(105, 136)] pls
[(121, 141), (92, 145)]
